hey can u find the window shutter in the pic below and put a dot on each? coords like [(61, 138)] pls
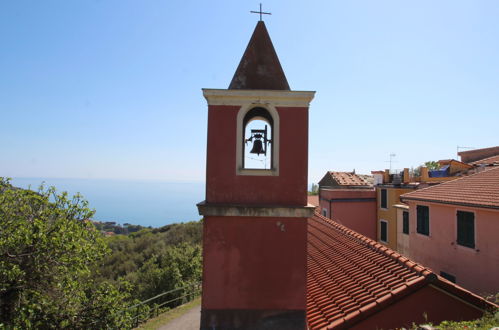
[(466, 229)]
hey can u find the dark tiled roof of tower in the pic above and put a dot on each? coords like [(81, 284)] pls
[(259, 67), (478, 190), (349, 276)]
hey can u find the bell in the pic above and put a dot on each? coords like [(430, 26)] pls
[(257, 148)]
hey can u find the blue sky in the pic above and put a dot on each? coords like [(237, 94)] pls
[(112, 89)]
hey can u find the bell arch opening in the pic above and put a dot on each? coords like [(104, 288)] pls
[(258, 139)]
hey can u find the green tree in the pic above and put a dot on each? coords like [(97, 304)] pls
[(47, 246), (432, 165)]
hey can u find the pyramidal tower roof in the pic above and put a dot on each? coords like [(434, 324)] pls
[(259, 67)]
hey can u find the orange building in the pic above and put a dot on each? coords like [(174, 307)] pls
[(389, 188)]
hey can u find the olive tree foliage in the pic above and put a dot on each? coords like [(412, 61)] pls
[(47, 248), (432, 165)]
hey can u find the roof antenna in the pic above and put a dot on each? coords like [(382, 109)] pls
[(260, 12), (392, 155)]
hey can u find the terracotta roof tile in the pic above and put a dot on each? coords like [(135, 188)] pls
[(479, 190), (349, 276), (489, 160), (348, 179), (313, 199)]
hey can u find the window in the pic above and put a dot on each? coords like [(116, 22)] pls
[(423, 219), (324, 212), (448, 277), (466, 229), (405, 222), (384, 199), (383, 234)]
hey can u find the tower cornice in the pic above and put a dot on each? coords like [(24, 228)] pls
[(278, 98)]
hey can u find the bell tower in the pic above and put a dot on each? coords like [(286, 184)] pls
[(255, 212)]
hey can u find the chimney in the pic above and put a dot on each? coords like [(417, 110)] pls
[(424, 174), (406, 176), (386, 176)]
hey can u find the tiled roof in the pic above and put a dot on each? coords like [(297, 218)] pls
[(490, 160), (348, 179), (443, 162), (259, 67), (350, 277), (477, 154), (480, 190), (313, 199)]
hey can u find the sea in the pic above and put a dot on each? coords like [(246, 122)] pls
[(145, 203)]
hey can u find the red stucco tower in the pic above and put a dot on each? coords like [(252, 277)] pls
[(255, 212)]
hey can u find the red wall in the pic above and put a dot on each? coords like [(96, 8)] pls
[(349, 210), (224, 186), (254, 263), (436, 305)]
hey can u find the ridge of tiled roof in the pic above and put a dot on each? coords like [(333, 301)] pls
[(488, 160), (472, 151), (480, 190), (448, 161), (350, 276), (348, 179)]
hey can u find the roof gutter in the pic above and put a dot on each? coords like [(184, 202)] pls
[(494, 207)]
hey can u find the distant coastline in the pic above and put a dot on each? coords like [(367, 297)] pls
[(138, 202)]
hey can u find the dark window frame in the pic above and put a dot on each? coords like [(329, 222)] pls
[(423, 220), (381, 223), (465, 229), (383, 199), (405, 222)]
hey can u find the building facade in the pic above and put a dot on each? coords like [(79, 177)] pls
[(349, 199), (453, 229)]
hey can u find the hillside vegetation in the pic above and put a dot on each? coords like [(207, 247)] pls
[(58, 271), (154, 260)]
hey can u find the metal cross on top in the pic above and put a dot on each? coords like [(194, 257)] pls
[(260, 12)]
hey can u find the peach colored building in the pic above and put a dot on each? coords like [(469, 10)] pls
[(349, 199), (454, 228)]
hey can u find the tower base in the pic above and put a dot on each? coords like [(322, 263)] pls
[(252, 319)]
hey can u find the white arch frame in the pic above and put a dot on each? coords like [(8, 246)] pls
[(274, 171)]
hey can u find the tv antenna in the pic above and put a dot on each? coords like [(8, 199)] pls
[(392, 155)]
